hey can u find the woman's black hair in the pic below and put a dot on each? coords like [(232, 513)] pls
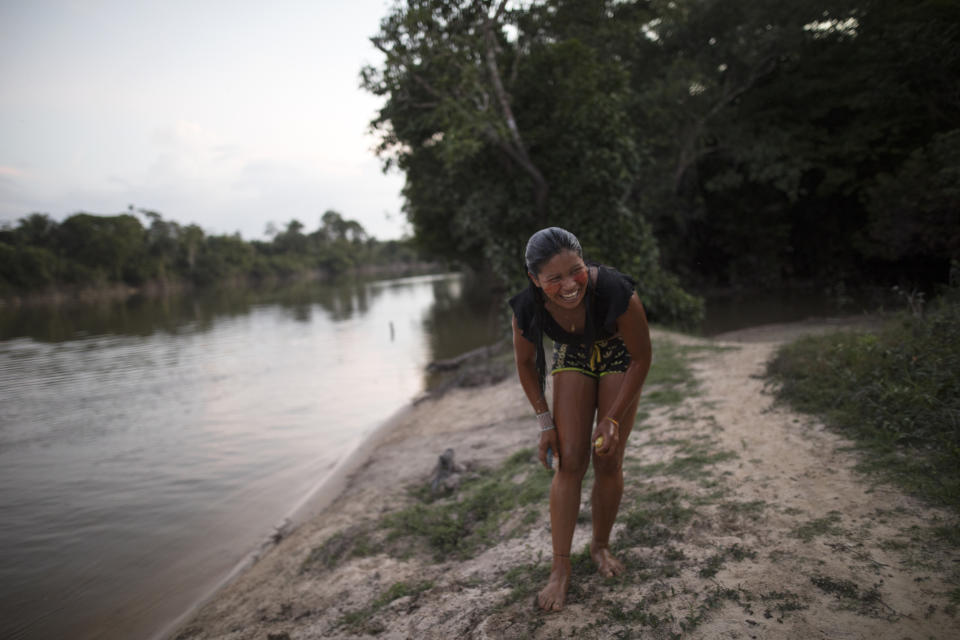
[(541, 247), (546, 243)]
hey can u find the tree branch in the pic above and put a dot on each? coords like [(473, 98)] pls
[(516, 149)]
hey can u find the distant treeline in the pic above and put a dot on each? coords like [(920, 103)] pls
[(39, 254)]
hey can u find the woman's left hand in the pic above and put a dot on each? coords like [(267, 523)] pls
[(609, 431)]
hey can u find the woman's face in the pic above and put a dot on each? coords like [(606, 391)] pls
[(563, 279)]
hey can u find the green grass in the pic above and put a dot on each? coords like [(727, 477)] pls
[(470, 521), (688, 466), (527, 579), (826, 526), (354, 542), (752, 509), (852, 597), (895, 393), (714, 563), (781, 601), (359, 619), (655, 518)]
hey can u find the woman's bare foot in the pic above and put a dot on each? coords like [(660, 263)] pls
[(553, 596), (607, 565)]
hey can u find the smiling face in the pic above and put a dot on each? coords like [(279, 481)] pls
[(563, 279)]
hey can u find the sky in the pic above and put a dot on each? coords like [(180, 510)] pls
[(224, 113)]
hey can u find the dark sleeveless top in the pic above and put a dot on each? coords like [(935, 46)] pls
[(609, 300)]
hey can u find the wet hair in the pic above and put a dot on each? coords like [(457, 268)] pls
[(541, 247)]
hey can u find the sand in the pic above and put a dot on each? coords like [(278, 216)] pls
[(746, 520)]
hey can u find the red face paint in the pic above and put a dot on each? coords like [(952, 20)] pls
[(581, 278), (552, 289)]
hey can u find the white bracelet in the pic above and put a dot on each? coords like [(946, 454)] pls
[(548, 428), (545, 420)]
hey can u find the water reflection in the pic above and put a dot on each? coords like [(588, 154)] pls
[(467, 307), (740, 310), (186, 312)]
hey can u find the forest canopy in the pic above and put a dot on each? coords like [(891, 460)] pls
[(702, 142)]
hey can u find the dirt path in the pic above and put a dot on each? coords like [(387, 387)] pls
[(739, 520), (862, 558)]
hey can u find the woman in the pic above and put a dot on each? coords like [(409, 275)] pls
[(601, 358)]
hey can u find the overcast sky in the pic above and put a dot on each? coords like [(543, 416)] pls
[(225, 113)]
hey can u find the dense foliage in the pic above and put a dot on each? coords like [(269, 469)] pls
[(895, 392), (731, 143), (85, 250)]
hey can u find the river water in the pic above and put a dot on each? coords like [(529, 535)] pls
[(147, 446)]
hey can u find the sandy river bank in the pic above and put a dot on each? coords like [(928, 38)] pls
[(740, 519)]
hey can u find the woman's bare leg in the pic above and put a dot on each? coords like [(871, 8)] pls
[(608, 483), (574, 401)]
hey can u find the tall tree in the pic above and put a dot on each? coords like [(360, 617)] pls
[(504, 119)]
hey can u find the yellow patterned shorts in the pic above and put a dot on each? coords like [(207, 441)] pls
[(606, 356)]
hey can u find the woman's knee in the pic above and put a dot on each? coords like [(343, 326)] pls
[(608, 465), (574, 463)]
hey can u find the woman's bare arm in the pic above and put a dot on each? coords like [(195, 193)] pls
[(525, 354)]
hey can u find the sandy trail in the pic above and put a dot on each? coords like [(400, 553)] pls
[(740, 519)]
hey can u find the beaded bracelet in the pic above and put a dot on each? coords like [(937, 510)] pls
[(545, 420)]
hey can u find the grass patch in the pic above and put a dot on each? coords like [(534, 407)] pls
[(850, 595), (470, 521), (948, 533), (526, 580), (715, 562), (714, 599), (354, 542), (751, 509), (656, 517), (782, 602), (639, 615), (359, 620), (688, 466), (826, 526), (896, 393)]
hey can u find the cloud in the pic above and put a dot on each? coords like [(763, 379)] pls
[(11, 172)]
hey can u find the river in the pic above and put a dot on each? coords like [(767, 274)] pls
[(147, 446)]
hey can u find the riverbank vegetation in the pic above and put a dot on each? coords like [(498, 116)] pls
[(40, 255), (690, 143), (895, 393)]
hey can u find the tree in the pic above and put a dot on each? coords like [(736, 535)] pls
[(915, 213), (794, 110), (506, 120), (163, 243), (291, 240), (108, 244), (37, 230)]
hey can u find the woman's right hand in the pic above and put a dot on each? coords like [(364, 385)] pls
[(549, 440)]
